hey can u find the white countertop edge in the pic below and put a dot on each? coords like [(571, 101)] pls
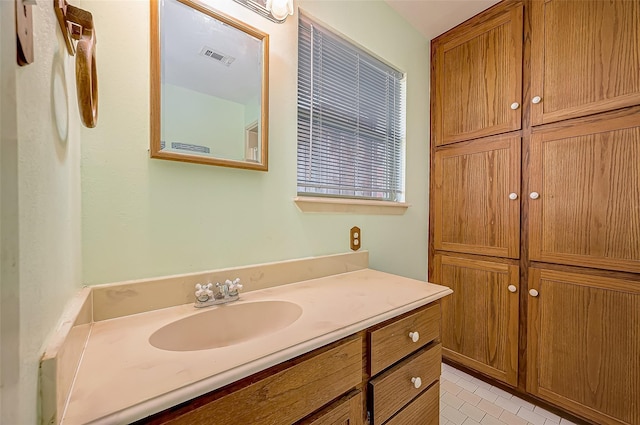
[(206, 385)]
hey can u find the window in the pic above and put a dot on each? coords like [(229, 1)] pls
[(350, 119)]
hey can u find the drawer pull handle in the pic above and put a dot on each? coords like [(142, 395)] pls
[(415, 336), (417, 382)]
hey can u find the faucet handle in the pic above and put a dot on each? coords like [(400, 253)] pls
[(203, 292), (235, 285)]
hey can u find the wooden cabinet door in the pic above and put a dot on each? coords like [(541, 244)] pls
[(584, 345), (480, 318), (478, 75), (473, 212), (587, 179), (584, 57)]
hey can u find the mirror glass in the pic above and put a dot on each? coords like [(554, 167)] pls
[(209, 90)]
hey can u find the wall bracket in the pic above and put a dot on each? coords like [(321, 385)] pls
[(24, 31), (77, 24)]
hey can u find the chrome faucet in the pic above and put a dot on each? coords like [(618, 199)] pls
[(227, 292)]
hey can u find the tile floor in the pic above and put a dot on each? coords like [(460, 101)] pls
[(465, 400)]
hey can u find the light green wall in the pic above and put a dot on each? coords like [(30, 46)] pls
[(145, 217), (39, 204), (252, 110), (192, 117)]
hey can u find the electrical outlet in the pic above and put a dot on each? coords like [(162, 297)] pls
[(356, 238)]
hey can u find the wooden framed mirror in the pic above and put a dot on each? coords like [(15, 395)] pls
[(209, 87)]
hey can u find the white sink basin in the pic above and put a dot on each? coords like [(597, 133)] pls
[(225, 325)]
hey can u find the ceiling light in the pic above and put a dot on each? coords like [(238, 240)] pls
[(274, 10), (280, 9)]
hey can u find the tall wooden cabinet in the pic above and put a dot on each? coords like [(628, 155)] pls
[(535, 210)]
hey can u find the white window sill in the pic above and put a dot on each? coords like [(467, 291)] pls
[(309, 204)]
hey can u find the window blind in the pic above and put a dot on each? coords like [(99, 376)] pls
[(350, 119)]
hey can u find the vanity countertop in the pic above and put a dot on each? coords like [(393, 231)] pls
[(122, 377)]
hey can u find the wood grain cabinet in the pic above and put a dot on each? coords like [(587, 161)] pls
[(331, 385), (477, 197), (584, 57), (480, 318), (584, 346), (479, 79), (570, 158)]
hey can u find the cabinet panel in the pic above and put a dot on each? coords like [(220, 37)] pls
[(584, 344), (585, 57), (480, 318), (478, 73), (473, 212), (276, 399), (588, 181)]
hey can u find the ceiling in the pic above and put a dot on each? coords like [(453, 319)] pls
[(187, 32), (433, 17)]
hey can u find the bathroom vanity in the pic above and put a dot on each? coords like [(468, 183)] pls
[(376, 374), (361, 346)]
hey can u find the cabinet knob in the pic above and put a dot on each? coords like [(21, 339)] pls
[(415, 336), (513, 196), (533, 292), (536, 99), (417, 382), (534, 195), (512, 288), (515, 105)]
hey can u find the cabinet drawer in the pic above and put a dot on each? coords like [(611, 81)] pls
[(424, 410), (393, 389), (346, 411), (392, 342), (277, 399)]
